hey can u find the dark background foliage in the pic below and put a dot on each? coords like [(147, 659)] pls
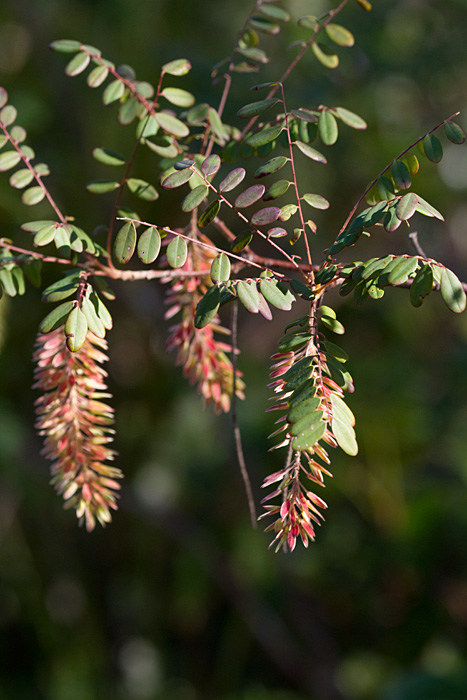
[(179, 599)]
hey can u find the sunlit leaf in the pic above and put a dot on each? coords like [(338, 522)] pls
[(178, 97), (9, 159), (181, 66), (316, 201), (62, 288), (340, 35), (171, 124), (22, 178), (324, 55), (310, 152), (391, 221), (97, 76), (217, 127), (261, 24), (308, 438), (149, 245), (105, 155), (129, 110), (33, 195), (95, 324), (113, 92), (277, 294), (401, 272), (327, 127), (76, 329), (177, 252), (45, 235), (452, 291), (407, 206), (220, 268), (308, 22), (274, 12), (56, 318), (253, 54), (423, 207), (65, 45), (102, 186), (78, 64), (249, 296), (125, 243), (142, 189)]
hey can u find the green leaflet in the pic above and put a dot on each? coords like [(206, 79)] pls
[(95, 324), (256, 108), (249, 296), (452, 291), (220, 268), (76, 328), (207, 307), (149, 245), (277, 294), (421, 285), (177, 252), (308, 438), (327, 127), (125, 243), (209, 214), (265, 136), (62, 289), (402, 270), (56, 318)]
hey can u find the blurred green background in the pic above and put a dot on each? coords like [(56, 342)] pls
[(179, 599)]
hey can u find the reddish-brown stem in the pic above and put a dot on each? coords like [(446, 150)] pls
[(402, 153), (38, 256), (37, 177)]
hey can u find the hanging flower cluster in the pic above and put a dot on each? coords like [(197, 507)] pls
[(203, 357), (76, 424)]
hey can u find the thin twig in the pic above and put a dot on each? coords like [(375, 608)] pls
[(414, 240), (236, 428)]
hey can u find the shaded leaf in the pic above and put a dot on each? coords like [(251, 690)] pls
[(95, 324), (350, 118), (277, 189), (406, 206), (207, 307), (210, 165), (433, 148), (265, 216), (401, 175), (306, 115), (128, 110), (232, 180), (274, 12), (421, 285), (149, 245), (194, 198), (454, 132), (254, 109), (102, 186), (241, 241), (177, 178), (209, 214), (249, 196), (65, 45), (265, 136), (177, 252), (217, 127), (271, 166)]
